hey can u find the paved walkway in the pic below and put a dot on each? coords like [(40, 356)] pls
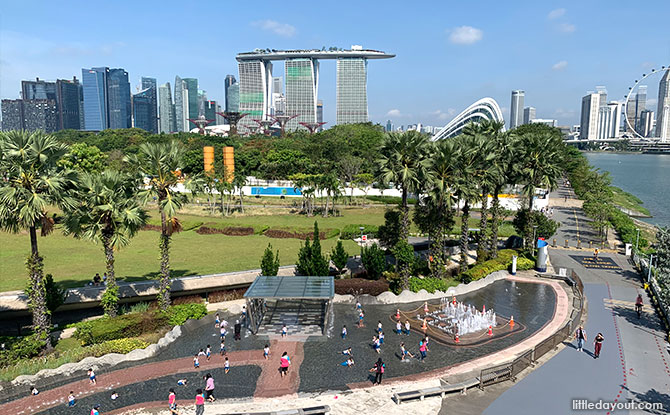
[(634, 362)]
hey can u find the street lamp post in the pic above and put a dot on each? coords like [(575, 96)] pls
[(637, 238), (361, 229), (651, 259)]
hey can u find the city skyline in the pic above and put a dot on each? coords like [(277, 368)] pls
[(554, 81)]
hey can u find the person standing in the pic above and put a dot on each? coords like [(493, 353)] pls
[(91, 377), (199, 402), (580, 335), (71, 401), (266, 351), (95, 410), (237, 330), (285, 362), (172, 402), (423, 347), (398, 327), (209, 387), (378, 370), (344, 332), (597, 345), (407, 327)]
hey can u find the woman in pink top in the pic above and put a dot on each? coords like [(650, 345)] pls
[(199, 402), (172, 402), (209, 387), (285, 362)]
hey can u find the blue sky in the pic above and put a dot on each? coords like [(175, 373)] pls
[(449, 53)]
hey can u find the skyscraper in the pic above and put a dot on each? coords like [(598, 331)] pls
[(254, 94), (96, 117), (70, 104), (210, 108), (516, 108), (167, 121), (646, 123), (389, 126), (528, 115), (30, 115), (352, 97), (180, 104), (663, 110), (38, 89), (588, 127), (277, 85), (150, 83), (227, 83), (142, 113), (118, 99), (302, 80), (609, 120), (193, 103), (233, 98), (640, 105), (319, 114), (12, 114)]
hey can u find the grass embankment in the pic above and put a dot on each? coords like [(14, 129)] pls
[(628, 201)]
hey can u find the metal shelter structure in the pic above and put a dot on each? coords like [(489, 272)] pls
[(301, 292)]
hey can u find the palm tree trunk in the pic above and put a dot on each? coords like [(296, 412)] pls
[(495, 214), (529, 225), (164, 283), (404, 229), (483, 221), (37, 300), (464, 236), (112, 289), (241, 204), (325, 210)]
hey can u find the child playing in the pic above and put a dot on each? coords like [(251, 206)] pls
[(34, 391), (404, 353), (201, 353), (217, 321), (407, 327), (379, 326), (360, 318), (376, 345), (344, 332), (398, 327), (196, 362), (347, 352), (71, 400), (182, 382), (266, 352), (284, 331), (226, 366), (114, 396), (381, 337), (222, 349), (208, 352), (223, 332), (91, 377), (349, 362)]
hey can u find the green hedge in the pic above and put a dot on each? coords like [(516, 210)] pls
[(127, 325), (626, 228), (502, 262), (391, 200), (429, 284), (352, 231), (258, 229), (178, 314), (17, 348)]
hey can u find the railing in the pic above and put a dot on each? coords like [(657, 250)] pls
[(641, 262)]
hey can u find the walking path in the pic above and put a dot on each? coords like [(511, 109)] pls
[(634, 361)]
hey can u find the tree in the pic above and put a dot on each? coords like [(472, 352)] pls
[(270, 262), (55, 294), (663, 261), (505, 175), (373, 259), (403, 253), (389, 233), (310, 259), (84, 158), (339, 257), (109, 212), (161, 162), (31, 182), (364, 181), (546, 228), (349, 168), (403, 161)]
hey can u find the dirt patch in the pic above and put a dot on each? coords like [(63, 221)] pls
[(152, 228), (286, 234), (358, 286), (229, 231)]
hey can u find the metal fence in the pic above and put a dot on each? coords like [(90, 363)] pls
[(642, 263), (509, 371)]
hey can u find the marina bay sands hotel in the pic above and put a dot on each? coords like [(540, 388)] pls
[(302, 83)]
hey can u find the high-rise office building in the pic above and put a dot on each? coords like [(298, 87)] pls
[(588, 127), (150, 84), (12, 114), (142, 113), (227, 83), (277, 85), (254, 93), (352, 96), (516, 109), (663, 109), (389, 126), (319, 114), (96, 116), (166, 108), (233, 98), (181, 104), (602, 91), (193, 102), (646, 123), (640, 105), (609, 120), (118, 99), (528, 115), (210, 108), (70, 101), (39, 89), (302, 80)]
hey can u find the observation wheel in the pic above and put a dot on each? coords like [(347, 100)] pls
[(633, 88)]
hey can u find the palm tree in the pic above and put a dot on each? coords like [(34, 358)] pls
[(505, 175), (108, 212), (403, 161), (540, 159), (161, 162), (31, 182)]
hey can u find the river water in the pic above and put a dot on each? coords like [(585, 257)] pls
[(647, 176)]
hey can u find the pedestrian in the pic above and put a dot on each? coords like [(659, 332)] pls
[(172, 402), (217, 321), (407, 327), (34, 391), (223, 332), (580, 335), (378, 369), (349, 362), (361, 315), (597, 345), (196, 362), (244, 315), (209, 387), (376, 345), (91, 377), (404, 353), (344, 332), (398, 327), (284, 331), (423, 348), (222, 348), (381, 337), (397, 314), (595, 254), (425, 307), (238, 330), (114, 396), (226, 366), (95, 410), (285, 362), (379, 326), (358, 305), (208, 352), (71, 401), (266, 352), (199, 402)]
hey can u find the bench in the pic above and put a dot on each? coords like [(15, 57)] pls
[(313, 410), (495, 376), (441, 391), (461, 387)]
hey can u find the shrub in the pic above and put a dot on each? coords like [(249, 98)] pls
[(501, 262), (226, 295), (178, 314), (229, 231), (353, 231), (524, 264), (625, 227), (270, 262), (373, 259), (391, 200), (17, 348), (136, 308), (339, 256), (188, 299), (429, 284), (359, 286), (112, 328), (299, 233)]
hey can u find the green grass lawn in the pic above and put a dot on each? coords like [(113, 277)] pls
[(74, 262), (628, 201)]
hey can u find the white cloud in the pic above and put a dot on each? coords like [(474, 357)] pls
[(281, 29), (556, 13), (394, 113), (444, 115), (465, 35), (559, 66), (567, 27)]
